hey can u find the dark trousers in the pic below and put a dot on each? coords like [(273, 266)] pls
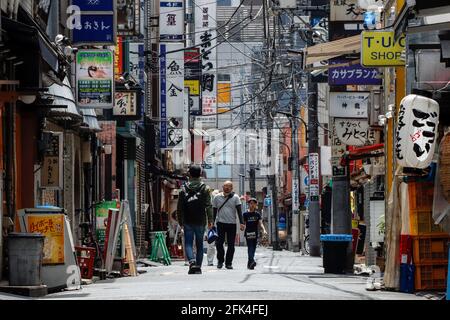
[(228, 229), (251, 249)]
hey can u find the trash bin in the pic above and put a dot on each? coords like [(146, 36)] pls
[(335, 252), (25, 258)]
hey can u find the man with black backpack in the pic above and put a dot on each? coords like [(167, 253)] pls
[(194, 208)]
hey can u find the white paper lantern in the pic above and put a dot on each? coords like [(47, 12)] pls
[(416, 136)]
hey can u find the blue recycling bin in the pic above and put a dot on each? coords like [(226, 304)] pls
[(335, 252), (407, 278)]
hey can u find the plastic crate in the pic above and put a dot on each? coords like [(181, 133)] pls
[(431, 248), (422, 223), (430, 277), (420, 196), (86, 258)]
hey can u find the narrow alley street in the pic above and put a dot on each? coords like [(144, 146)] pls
[(279, 275)]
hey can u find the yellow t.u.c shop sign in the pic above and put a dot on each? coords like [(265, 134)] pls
[(378, 49)]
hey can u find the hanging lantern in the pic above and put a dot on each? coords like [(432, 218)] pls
[(417, 126)]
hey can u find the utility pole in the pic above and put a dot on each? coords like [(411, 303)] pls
[(295, 168), (313, 158)]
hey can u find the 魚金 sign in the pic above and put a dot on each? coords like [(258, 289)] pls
[(378, 49), (52, 227)]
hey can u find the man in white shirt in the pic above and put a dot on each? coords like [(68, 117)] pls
[(226, 205)]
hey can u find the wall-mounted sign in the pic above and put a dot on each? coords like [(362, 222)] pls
[(95, 78), (349, 104), (52, 227), (118, 59), (193, 78), (378, 49), (416, 136), (52, 166), (295, 195), (96, 24), (354, 132), (352, 75), (337, 151), (205, 38), (346, 10), (171, 20), (314, 176), (128, 17), (171, 66), (125, 104)]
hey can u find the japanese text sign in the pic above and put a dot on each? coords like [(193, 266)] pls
[(125, 104), (314, 176), (416, 135), (352, 75), (118, 59), (95, 78), (378, 49), (354, 132), (94, 5), (205, 38), (171, 66), (52, 227), (171, 20), (95, 23), (349, 104), (128, 13), (346, 10), (51, 172), (192, 79)]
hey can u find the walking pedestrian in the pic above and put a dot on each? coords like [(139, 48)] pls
[(194, 210), (226, 205), (252, 220), (211, 247)]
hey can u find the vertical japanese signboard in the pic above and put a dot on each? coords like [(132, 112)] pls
[(136, 67), (171, 72), (95, 78), (205, 34), (192, 79), (52, 227), (314, 176), (94, 23), (118, 59), (51, 172), (295, 195), (337, 151), (128, 21), (171, 20)]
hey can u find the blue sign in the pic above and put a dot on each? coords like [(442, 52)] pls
[(352, 75), (94, 5), (163, 111), (267, 202), (95, 28)]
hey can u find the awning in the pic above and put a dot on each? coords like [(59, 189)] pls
[(332, 49), (29, 37), (90, 119), (62, 96)]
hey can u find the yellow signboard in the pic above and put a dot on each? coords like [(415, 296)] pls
[(52, 227), (224, 92), (378, 49), (194, 87)]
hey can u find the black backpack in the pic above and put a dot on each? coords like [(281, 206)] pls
[(194, 206)]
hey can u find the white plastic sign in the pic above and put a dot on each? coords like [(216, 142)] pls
[(417, 126)]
